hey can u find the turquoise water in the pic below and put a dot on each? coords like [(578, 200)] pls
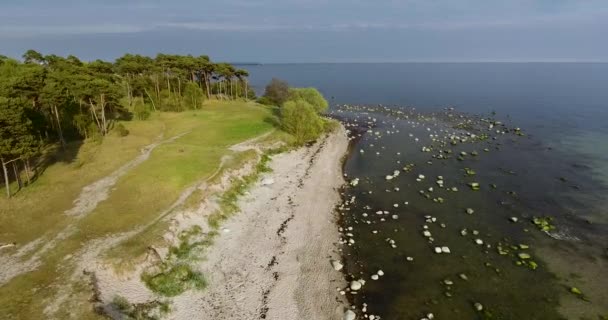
[(555, 168)]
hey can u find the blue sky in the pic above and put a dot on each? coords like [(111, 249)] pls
[(312, 30)]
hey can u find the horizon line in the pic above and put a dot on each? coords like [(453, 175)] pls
[(421, 61)]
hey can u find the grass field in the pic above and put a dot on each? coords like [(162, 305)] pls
[(138, 197)]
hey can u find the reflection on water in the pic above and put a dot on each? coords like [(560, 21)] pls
[(500, 264)]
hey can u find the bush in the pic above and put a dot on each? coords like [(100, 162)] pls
[(175, 281), (140, 109), (310, 95), (277, 92), (301, 120), (265, 101), (193, 96), (121, 130), (93, 132)]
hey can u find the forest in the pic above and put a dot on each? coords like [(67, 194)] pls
[(52, 100)]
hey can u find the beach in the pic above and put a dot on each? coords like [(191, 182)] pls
[(272, 260)]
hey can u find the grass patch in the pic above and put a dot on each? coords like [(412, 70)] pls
[(137, 198), (194, 200), (174, 280)]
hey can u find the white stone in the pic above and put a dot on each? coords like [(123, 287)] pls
[(337, 265), (445, 249), (355, 285), (349, 315), (267, 181)]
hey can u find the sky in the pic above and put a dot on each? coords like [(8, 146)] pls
[(286, 31)]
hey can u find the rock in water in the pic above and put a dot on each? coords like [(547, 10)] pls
[(337, 265), (349, 315), (478, 306), (355, 285)]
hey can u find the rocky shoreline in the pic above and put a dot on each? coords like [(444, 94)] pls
[(273, 260)]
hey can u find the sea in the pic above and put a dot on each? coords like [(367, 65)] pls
[(476, 190)]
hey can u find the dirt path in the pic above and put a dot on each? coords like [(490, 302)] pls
[(272, 260), (98, 191), (90, 196)]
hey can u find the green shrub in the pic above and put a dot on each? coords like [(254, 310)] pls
[(93, 132), (121, 304), (121, 130), (175, 280), (140, 109), (265, 101), (310, 95), (193, 96), (300, 119)]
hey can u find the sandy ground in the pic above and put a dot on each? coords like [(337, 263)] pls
[(272, 260)]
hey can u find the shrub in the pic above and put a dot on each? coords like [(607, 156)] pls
[(265, 101), (121, 130), (277, 92), (193, 96), (140, 109), (175, 280), (301, 120), (93, 132), (310, 95)]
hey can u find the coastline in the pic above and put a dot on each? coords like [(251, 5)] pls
[(272, 260)]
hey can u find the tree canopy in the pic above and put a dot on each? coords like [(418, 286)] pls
[(276, 92), (46, 99), (310, 95)]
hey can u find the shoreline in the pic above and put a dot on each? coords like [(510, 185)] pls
[(272, 260)]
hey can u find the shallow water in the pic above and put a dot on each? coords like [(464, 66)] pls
[(556, 168)]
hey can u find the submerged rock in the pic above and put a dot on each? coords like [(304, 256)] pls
[(349, 315), (478, 306)]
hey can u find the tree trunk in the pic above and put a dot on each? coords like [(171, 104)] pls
[(246, 91), (6, 182), (17, 176), (129, 94), (94, 113), (152, 100), (207, 84), (103, 114), (59, 131), (28, 174), (179, 86)]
